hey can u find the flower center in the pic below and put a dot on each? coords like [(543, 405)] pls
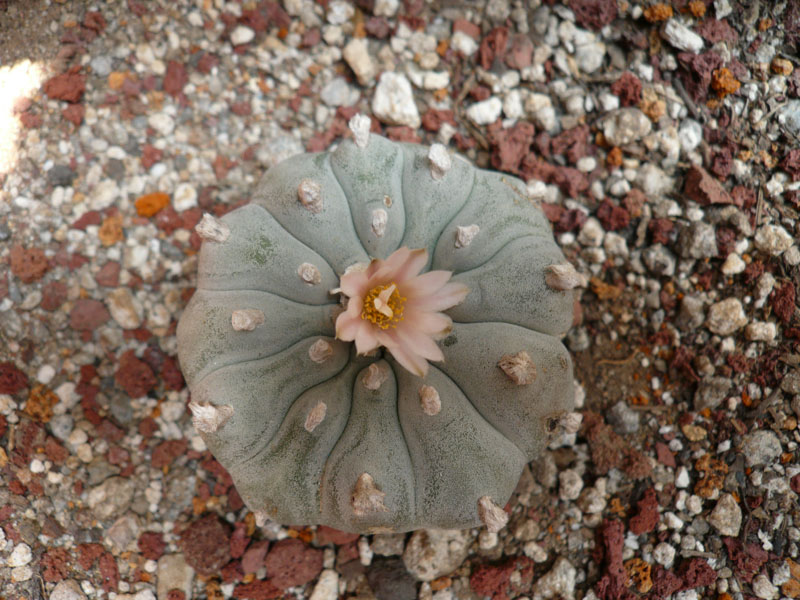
[(383, 306)]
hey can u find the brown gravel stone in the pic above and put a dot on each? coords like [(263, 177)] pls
[(151, 544), (175, 78), (704, 189), (12, 380), (28, 264), (67, 86), (206, 544), (109, 572), (53, 295), (134, 375), (646, 518), (167, 451), (257, 590), (88, 314), (291, 562)]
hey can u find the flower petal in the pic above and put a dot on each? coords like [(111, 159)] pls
[(425, 284), (354, 283), (411, 268), (366, 339), (379, 270), (408, 359), (447, 297), (348, 322), (434, 324), (419, 343)]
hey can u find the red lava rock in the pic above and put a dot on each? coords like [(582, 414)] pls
[(94, 21), (242, 109), (377, 27), (176, 594), (329, 535), (493, 47), (604, 444), (467, 27), (109, 572), (147, 427), (608, 552), (232, 572), (628, 88), (151, 544), (55, 564), (91, 217), (206, 544), (612, 217), (714, 31), (117, 456), (696, 572), (167, 451), (496, 580), (594, 14), (661, 230), (572, 143), (175, 78), (520, 52), (28, 264), (53, 295), (646, 518), (74, 113), (665, 583), (510, 146), (432, 119), (171, 374), (87, 554), (207, 62), (704, 189), (253, 558), (108, 275), (697, 72), (134, 375), (55, 451), (791, 164), (722, 163), (665, 455), (12, 380), (88, 315), (68, 86), (239, 540), (401, 133), (31, 120), (222, 164), (257, 590), (290, 562), (782, 301), (150, 155)]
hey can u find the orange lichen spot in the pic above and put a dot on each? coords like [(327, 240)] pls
[(440, 95), (786, 457), (724, 82), (110, 231), (198, 506), (765, 24), (706, 412), (614, 157), (250, 523), (442, 46), (150, 204), (442, 583), (616, 507), (714, 476), (603, 290), (658, 12), (725, 596), (638, 572), (116, 79), (40, 404), (283, 32), (697, 8), (782, 66)]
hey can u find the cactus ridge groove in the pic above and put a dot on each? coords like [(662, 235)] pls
[(347, 203), (263, 447), (290, 234), (257, 291), (216, 370)]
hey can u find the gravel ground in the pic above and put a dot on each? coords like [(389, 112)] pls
[(661, 141)]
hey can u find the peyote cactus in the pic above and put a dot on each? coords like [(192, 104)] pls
[(367, 436)]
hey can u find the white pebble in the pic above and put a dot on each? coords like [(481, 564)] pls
[(242, 35)]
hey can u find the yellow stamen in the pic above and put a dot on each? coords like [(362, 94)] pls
[(383, 306)]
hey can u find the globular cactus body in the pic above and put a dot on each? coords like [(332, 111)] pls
[(314, 433)]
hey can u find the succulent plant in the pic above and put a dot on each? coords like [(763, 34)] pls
[(368, 436)]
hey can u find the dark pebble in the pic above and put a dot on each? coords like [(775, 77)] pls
[(390, 580), (60, 175)]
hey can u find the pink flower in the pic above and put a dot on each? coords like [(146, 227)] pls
[(390, 304)]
